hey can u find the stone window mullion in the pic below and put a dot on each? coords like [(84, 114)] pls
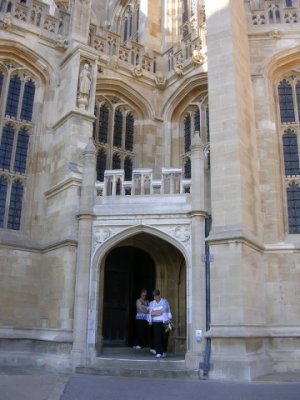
[(23, 81)]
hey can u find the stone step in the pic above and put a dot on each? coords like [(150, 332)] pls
[(138, 363)]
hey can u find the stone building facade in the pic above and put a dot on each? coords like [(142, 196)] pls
[(150, 145)]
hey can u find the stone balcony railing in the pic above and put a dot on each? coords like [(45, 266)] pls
[(142, 183), (270, 12), (34, 14)]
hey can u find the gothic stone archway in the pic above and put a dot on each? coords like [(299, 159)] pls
[(168, 274)]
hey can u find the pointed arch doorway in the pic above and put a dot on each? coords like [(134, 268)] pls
[(127, 271), (142, 260)]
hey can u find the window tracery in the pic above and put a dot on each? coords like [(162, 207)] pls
[(17, 90), (114, 136), (289, 109), (130, 23)]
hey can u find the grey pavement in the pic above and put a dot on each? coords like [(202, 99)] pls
[(39, 384)]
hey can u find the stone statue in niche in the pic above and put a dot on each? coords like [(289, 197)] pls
[(85, 80)]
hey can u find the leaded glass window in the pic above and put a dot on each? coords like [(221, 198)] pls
[(14, 140), (103, 124), (15, 205), (116, 164), (290, 152), (286, 102), (28, 98), (21, 151), (6, 146), (129, 132), (114, 128), (128, 169), (187, 133), (187, 168), (3, 192), (13, 96), (197, 120), (293, 199), (1, 82), (118, 126), (101, 165)]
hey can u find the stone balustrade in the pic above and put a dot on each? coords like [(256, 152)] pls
[(142, 183), (131, 53), (36, 14), (272, 12)]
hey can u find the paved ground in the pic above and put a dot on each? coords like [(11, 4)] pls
[(20, 384)]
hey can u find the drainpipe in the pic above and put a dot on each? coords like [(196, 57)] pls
[(205, 365)]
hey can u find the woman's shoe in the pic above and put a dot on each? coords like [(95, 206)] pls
[(158, 355), (152, 351), (164, 355), (137, 347)]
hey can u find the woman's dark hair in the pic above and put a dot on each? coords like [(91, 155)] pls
[(155, 292), (144, 291)]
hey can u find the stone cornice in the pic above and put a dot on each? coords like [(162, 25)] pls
[(19, 243)]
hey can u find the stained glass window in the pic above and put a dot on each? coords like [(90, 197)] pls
[(28, 98), (3, 192), (15, 206), (118, 128), (103, 124), (129, 132), (21, 151), (6, 146), (286, 102), (187, 133), (101, 165), (13, 96), (293, 199)]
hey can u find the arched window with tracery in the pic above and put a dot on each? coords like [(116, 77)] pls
[(130, 23), (114, 135), (285, 91), (289, 108), (17, 108), (187, 133), (128, 169)]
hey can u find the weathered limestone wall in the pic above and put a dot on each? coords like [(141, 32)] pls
[(237, 270), (37, 290)]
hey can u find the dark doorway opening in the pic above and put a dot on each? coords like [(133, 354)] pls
[(127, 271)]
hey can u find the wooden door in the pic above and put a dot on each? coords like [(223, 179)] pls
[(127, 271)]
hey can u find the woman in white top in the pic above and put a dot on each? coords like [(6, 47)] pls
[(160, 313)]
